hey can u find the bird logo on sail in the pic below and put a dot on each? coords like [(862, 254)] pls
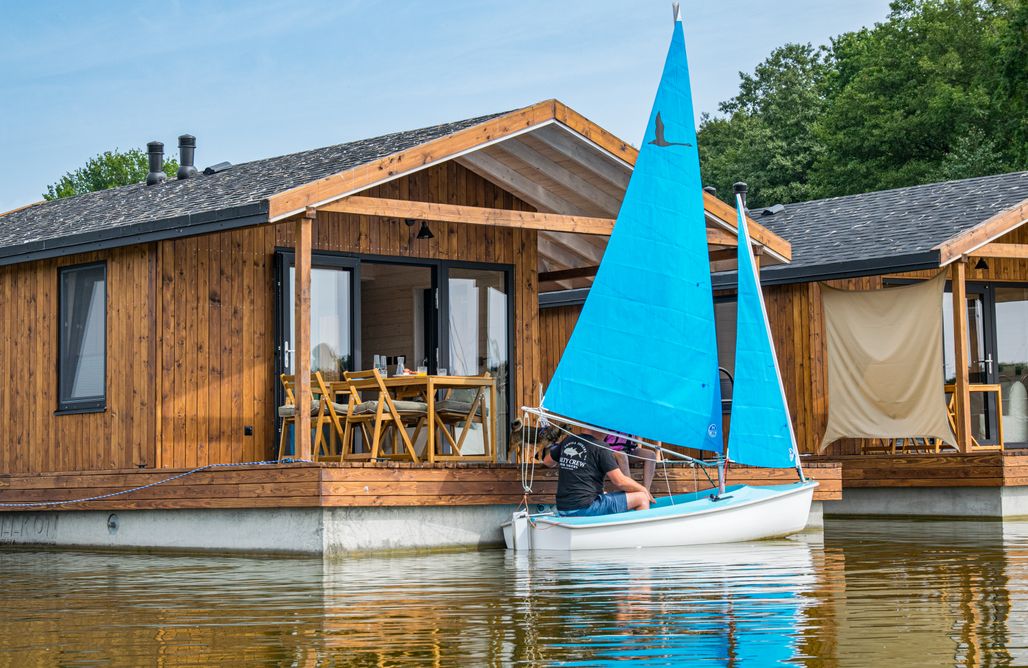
[(659, 139)]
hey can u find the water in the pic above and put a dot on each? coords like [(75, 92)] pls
[(867, 594)]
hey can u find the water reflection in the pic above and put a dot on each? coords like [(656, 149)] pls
[(903, 593)]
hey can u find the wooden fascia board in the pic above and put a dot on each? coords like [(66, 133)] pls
[(314, 194), (726, 214), (472, 215), (969, 241), (1014, 251)]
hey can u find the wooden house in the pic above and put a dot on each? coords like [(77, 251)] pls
[(973, 229), (145, 328)]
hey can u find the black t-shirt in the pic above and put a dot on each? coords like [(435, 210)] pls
[(582, 465)]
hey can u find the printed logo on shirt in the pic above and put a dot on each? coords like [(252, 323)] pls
[(572, 457)]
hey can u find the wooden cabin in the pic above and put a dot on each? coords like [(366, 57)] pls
[(145, 328), (972, 229)]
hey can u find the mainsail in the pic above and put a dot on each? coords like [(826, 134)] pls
[(643, 356), (761, 431)]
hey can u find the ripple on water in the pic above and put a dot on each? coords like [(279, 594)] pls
[(869, 593)]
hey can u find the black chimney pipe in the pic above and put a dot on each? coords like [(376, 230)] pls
[(711, 190), (155, 151), (186, 150), (740, 189)]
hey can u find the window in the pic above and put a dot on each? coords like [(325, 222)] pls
[(81, 371)]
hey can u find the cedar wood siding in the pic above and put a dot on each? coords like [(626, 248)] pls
[(217, 367), (32, 438), (187, 370)]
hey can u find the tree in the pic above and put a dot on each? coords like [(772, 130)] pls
[(937, 91), (906, 93), (110, 169), (766, 137)]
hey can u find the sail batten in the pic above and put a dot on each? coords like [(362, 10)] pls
[(643, 356)]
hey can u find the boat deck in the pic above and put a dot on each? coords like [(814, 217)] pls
[(301, 485)]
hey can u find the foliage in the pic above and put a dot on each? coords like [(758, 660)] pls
[(937, 91), (110, 169)]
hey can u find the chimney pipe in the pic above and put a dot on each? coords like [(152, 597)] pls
[(710, 190), (155, 151), (186, 150), (740, 189)]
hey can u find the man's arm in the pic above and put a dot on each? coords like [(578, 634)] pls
[(548, 459), (626, 483)]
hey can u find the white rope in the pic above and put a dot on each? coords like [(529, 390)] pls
[(40, 504)]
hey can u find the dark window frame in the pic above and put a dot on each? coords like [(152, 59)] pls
[(96, 404)]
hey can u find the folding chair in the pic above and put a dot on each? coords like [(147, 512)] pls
[(380, 415)]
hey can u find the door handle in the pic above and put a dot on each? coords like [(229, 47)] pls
[(987, 363), (287, 356)]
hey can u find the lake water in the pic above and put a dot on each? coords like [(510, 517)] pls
[(866, 594)]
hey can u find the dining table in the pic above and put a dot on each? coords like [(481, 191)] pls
[(429, 386)]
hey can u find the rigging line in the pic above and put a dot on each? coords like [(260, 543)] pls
[(547, 416), (39, 504)]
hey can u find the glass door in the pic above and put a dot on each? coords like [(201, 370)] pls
[(1010, 362), (478, 332), (981, 368)]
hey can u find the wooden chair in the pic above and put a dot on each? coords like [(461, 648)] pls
[(328, 450), (288, 412), (462, 405), (383, 416)]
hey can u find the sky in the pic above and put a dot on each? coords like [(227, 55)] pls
[(252, 79)]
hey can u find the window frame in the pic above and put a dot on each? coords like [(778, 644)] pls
[(95, 404)]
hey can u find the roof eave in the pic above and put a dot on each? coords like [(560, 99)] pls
[(156, 230)]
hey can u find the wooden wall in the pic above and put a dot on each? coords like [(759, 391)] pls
[(32, 437), (217, 311), (555, 327)]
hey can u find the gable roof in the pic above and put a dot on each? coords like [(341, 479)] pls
[(235, 197), (902, 229)]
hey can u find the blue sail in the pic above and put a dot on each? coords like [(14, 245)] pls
[(643, 356), (761, 432)]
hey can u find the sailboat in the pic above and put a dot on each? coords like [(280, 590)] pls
[(643, 359)]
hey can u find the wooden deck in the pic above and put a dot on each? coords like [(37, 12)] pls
[(977, 469), (348, 484)]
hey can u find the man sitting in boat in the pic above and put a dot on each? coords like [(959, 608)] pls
[(583, 464)]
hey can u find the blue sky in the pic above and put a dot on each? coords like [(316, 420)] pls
[(255, 79)]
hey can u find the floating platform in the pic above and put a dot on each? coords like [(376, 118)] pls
[(312, 509)]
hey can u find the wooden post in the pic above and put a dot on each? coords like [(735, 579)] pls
[(962, 396), (302, 344)]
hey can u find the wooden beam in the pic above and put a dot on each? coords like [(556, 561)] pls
[(472, 215), (295, 200), (494, 171), (958, 279), (1016, 251), (594, 133), (565, 274), (995, 226), (758, 232), (572, 147), (302, 343), (724, 254), (716, 237), (605, 202)]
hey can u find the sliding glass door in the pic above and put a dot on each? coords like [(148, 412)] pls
[(441, 315)]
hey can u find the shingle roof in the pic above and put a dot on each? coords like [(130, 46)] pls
[(886, 229), (237, 194)]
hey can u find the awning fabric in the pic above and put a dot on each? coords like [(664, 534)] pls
[(885, 369)]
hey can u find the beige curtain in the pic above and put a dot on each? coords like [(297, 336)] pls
[(885, 363)]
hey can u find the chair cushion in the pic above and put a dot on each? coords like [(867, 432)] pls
[(454, 406), (401, 406), (289, 410)]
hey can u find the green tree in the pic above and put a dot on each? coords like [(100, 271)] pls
[(110, 169), (766, 136), (917, 98)]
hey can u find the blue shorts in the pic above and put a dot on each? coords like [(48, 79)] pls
[(605, 504)]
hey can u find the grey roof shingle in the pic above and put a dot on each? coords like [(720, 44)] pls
[(886, 228), (237, 193)]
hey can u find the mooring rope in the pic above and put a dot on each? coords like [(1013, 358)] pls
[(198, 469)]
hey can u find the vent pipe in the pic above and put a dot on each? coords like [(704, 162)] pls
[(710, 190), (155, 151), (186, 151)]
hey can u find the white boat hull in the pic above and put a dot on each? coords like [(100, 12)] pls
[(743, 513)]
